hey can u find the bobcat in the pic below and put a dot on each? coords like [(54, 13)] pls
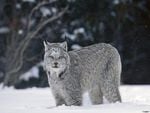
[(94, 69)]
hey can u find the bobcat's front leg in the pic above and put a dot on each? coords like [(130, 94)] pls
[(58, 98), (73, 98), (76, 102), (59, 101)]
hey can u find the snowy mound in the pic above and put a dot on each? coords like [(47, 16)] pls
[(136, 99)]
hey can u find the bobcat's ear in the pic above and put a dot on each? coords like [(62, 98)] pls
[(64, 46), (46, 45)]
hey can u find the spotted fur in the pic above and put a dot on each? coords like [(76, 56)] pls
[(95, 69)]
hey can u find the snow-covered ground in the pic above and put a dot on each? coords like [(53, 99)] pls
[(136, 99)]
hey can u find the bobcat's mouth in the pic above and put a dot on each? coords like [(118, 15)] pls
[(55, 67)]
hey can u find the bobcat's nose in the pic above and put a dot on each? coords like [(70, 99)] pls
[(55, 64)]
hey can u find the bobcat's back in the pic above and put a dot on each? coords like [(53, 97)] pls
[(94, 61)]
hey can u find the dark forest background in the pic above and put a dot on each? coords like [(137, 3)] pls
[(24, 24)]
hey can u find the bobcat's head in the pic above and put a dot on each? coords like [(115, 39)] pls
[(56, 58)]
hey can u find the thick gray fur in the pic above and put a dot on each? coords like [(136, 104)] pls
[(94, 69)]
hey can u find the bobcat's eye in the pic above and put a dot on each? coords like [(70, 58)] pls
[(61, 57), (51, 57)]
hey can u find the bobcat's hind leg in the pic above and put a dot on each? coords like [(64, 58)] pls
[(96, 95), (111, 80), (111, 92)]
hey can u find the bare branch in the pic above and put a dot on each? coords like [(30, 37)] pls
[(16, 59), (41, 25), (34, 9), (24, 44)]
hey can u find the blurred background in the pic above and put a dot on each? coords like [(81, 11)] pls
[(24, 24)]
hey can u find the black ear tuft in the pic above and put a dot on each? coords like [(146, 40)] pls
[(64, 46), (46, 44), (66, 38)]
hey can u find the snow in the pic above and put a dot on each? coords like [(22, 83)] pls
[(29, 1), (4, 30), (76, 47), (33, 72), (79, 30), (45, 11), (20, 32), (116, 2), (18, 6), (68, 35), (136, 99), (54, 10)]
